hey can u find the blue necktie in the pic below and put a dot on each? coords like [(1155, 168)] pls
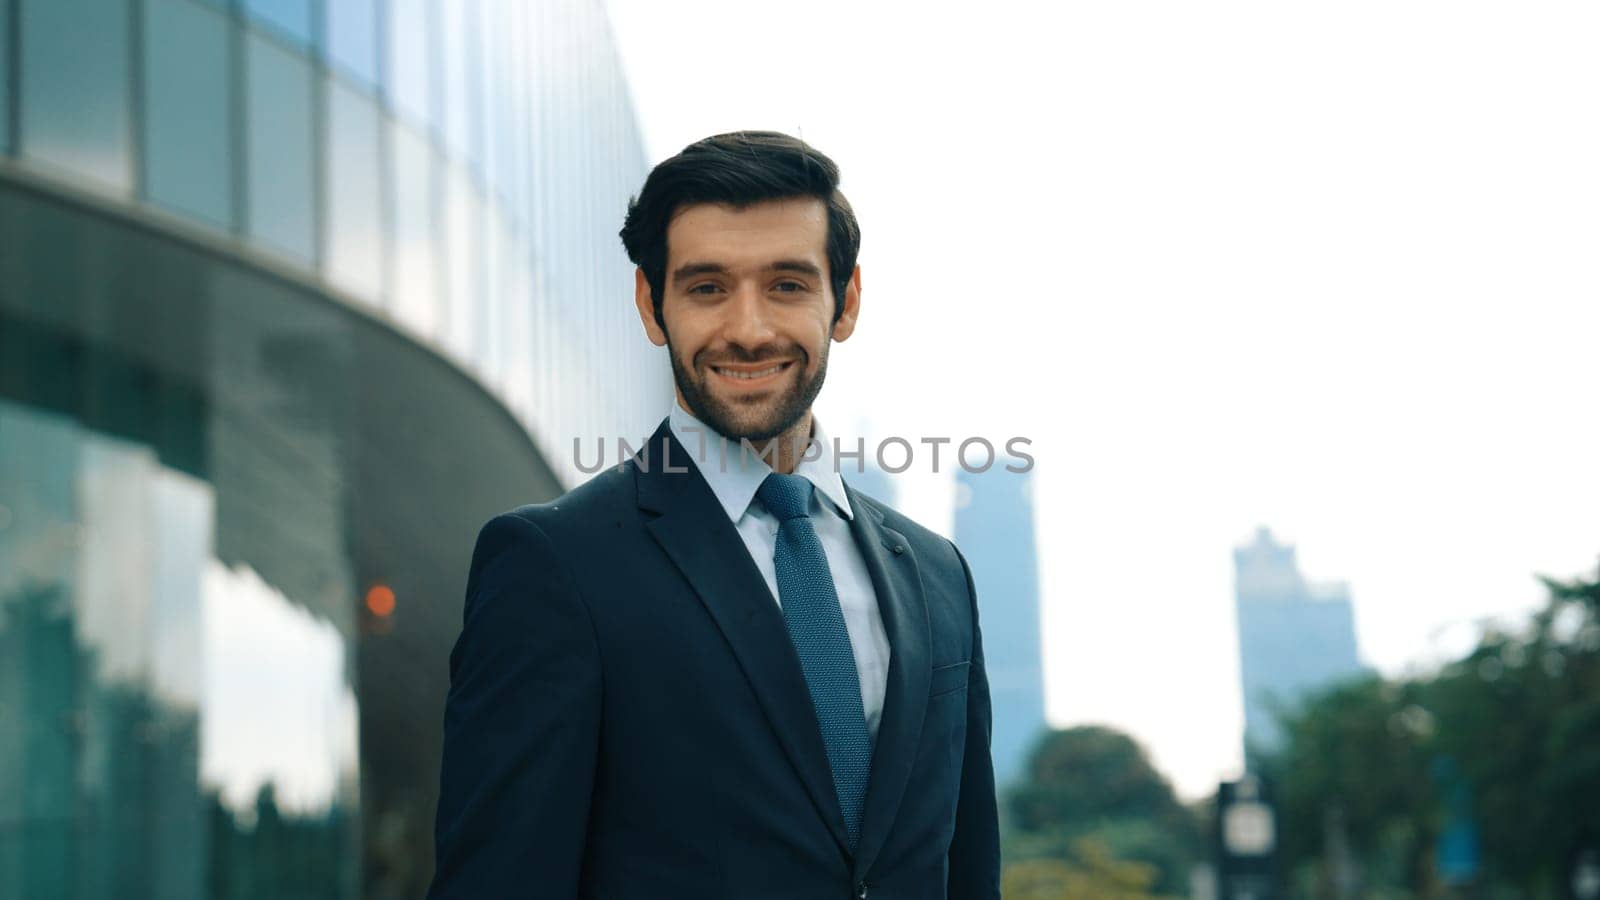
[(816, 626)]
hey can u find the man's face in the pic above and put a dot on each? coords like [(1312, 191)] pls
[(749, 313)]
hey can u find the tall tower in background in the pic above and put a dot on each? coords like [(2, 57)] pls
[(994, 527), (1294, 637)]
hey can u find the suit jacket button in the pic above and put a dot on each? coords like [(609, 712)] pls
[(861, 891)]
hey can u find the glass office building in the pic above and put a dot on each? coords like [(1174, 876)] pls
[(294, 294)]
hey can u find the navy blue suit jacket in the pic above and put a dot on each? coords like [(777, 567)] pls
[(627, 717)]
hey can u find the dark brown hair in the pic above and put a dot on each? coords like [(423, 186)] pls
[(738, 169)]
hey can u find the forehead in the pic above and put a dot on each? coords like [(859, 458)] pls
[(754, 235)]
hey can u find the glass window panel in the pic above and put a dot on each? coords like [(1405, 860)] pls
[(295, 736), (212, 726), (517, 321), (280, 159), (463, 259), (75, 88), (410, 59), (352, 38), (492, 70), (38, 656), (355, 240), (291, 18), (494, 297), (413, 238), (189, 148), (516, 124), (5, 78), (460, 93)]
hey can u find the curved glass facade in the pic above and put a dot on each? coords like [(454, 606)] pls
[(294, 294), (456, 168)]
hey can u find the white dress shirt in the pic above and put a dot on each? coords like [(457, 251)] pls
[(735, 476)]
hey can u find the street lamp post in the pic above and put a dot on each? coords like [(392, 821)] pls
[(1247, 841)]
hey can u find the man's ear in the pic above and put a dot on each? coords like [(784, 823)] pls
[(843, 328), (647, 309)]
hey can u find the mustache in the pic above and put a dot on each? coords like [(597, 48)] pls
[(737, 354)]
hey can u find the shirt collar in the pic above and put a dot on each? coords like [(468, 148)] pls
[(734, 477)]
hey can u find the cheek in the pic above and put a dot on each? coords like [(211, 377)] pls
[(687, 334), (810, 330)]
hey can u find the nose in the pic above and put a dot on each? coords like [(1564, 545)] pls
[(748, 324)]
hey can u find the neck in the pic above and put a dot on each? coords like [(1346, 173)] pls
[(788, 447)]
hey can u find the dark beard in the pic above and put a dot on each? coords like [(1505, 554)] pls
[(721, 417)]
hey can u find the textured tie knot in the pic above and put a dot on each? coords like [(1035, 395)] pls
[(786, 496)]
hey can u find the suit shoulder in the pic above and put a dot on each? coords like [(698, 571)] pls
[(927, 543), (602, 497), (579, 524)]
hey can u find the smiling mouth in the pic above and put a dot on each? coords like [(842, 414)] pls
[(750, 374)]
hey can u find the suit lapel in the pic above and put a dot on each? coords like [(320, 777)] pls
[(695, 532), (895, 578)]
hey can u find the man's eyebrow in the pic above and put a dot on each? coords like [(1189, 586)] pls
[(798, 266), (690, 270)]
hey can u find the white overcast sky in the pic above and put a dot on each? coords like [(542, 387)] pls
[(1333, 268)]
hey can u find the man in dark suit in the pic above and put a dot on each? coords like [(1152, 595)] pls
[(718, 671)]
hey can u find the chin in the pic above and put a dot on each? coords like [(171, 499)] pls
[(753, 422), (755, 429)]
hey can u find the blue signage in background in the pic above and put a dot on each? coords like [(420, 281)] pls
[(1457, 851)]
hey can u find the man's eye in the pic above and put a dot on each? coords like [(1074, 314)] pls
[(706, 288), (790, 287)]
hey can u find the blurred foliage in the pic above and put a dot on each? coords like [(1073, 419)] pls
[(1091, 873), (1093, 818), (1507, 737)]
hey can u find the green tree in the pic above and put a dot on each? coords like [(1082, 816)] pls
[(1520, 716), (1091, 794), (1091, 873), (1356, 760), (1513, 727)]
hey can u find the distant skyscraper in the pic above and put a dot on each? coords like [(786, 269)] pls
[(1294, 637), (995, 531)]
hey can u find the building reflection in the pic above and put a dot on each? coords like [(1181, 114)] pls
[(279, 709), (172, 727)]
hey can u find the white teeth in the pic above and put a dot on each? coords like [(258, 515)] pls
[(762, 373)]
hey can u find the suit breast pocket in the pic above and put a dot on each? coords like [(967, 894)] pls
[(949, 679)]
